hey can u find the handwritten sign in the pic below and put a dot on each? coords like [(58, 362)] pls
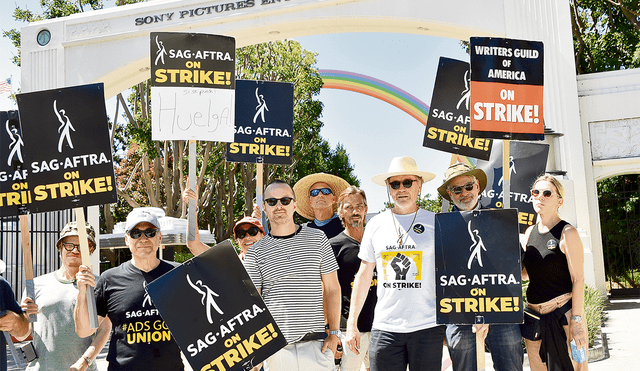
[(192, 86)]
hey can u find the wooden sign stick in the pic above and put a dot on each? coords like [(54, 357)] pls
[(27, 261), (86, 260), (506, 172), (191, 233), (480, 351), (259, 195)]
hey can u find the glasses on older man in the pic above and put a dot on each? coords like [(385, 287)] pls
[(69, 246), (136, 233), (458, 189), (315, 192), (407, 183)]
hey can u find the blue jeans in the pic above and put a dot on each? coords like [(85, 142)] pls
[(504, 342), (393, 351)]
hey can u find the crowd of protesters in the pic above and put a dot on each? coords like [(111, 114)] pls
[(347, 294)]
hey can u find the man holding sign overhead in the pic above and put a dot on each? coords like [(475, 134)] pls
[(463, 186), (140, 340)]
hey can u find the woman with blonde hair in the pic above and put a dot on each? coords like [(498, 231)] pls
[(554, 264)]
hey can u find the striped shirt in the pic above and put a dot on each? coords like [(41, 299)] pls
[(287, 270)]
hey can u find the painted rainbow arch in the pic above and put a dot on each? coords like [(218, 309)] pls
[(343, 80)]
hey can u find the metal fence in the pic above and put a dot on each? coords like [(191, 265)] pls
[(620, 219), (44, 230)]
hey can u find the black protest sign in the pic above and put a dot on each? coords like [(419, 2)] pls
[(478, 275), (226, 325), (264, 123), (14, 189), (527, 161), (67, 148), (507, 78), (448, 122), (192, 86)]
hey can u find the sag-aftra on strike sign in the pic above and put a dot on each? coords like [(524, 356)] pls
[(506, 88)]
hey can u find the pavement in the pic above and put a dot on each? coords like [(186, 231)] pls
[(616, 347)]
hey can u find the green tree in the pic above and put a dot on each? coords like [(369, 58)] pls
[(606, 34)]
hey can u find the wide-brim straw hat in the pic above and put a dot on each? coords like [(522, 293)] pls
[(303, 186), (460, 169), (402, 166)]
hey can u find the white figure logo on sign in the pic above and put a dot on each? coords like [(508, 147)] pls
[(475, 248), (260, 108), (512, 169), (466, 93), (15, 146), (208, 296), (147, 298), (161, 51), (65, 126)]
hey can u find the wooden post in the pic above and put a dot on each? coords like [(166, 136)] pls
[(191, 233), (480, 351), (27, 261), (506, 172), (86, 260), (259, 195)]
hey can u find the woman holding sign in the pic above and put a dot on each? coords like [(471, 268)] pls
[(554, 263)]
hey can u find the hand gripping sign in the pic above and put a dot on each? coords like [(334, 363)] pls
[(226, 325), (478, 275)]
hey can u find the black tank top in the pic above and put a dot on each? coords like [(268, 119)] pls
[(546, 265)]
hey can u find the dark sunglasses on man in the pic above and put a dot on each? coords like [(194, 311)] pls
[(458, 189), (136, 233), (242, 233), (315, 192), (272, 201), (407, 183)]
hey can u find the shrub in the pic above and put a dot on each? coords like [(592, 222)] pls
[(593, 311)]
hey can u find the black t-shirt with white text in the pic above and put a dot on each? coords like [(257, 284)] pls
[(140, 339)]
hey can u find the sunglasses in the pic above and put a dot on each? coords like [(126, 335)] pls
[(136, 233), (273, 201), (545, 193), (407, 183), (315, 192), (458, 189), (242, 233)]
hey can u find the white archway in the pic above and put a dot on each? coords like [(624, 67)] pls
[(112, 46)]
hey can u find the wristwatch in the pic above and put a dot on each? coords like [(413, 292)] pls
[(88, 360), (577, 318), (335, 332)]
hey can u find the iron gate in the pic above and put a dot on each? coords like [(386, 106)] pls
[(619, 201), (44, 230)]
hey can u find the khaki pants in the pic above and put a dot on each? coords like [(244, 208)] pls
[(302, 356), (533, 347)]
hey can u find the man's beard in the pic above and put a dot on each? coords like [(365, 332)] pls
[(355, 223)]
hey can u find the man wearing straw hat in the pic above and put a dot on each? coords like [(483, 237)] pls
[(462, 186), (12, 319), (316, 195), (400, 244)]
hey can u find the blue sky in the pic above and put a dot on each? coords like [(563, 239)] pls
[(372, 131)]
